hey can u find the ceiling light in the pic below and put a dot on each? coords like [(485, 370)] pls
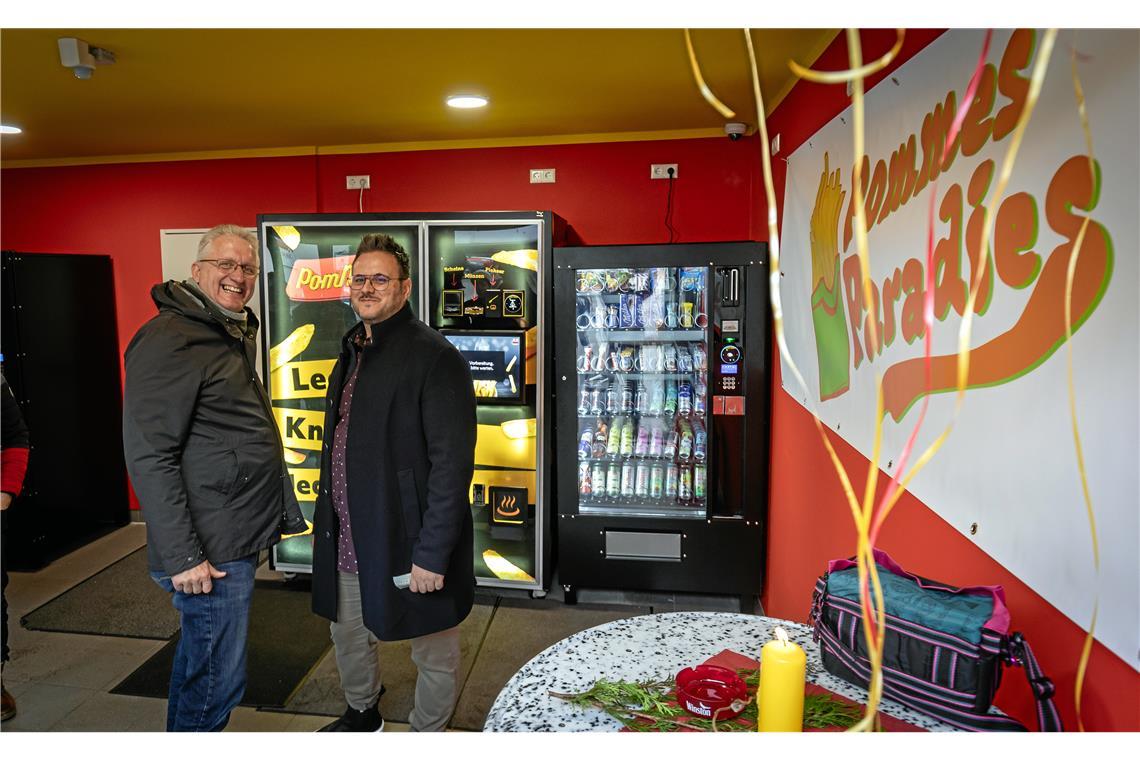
[(466, 101), (7, 130)]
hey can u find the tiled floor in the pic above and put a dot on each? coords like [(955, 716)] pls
[(61, 681)]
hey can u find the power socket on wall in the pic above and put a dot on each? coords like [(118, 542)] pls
[(358, 181), (661, 171)]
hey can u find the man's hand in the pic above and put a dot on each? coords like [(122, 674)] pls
[(424, 581), (199, 580), (5, 500)]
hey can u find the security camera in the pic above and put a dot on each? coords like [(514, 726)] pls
[(735, 130), (82, 58)]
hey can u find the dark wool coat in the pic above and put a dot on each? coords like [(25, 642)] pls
[(410, 457)]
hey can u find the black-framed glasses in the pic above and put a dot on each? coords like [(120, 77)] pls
[(379, 281), (228, 265)]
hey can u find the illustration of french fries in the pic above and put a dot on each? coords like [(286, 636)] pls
[(291, 347), (828, 316)]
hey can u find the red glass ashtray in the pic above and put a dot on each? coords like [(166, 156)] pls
[(709, 690)]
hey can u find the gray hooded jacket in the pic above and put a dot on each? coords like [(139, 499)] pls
[(202, 449)]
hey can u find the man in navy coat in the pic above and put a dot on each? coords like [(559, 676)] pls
[(392, 553)]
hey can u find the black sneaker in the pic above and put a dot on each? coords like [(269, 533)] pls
[(357, 720)]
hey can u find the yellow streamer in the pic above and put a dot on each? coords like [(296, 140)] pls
[(1086, 650), (706, 93), (855, 72)]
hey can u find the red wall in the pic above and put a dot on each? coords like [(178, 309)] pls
[(604, 193), (810, 523)]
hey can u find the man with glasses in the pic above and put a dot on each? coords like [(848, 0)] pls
[(206, 462), (392, 549)]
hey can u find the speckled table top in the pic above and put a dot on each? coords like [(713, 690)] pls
[(650, 647)]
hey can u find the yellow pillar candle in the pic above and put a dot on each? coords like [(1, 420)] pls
[(780, 697)]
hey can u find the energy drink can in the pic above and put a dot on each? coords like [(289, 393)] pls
[(598, 450), (614, 441), (700, 481), (627, 396), (684, 359), (586, 444), (585, 485), (700, 441), (657, 399), (613, 481), (596, 404), (685, 398), (641, 448), (656, 481), (685, 483), (670, 358), (685, 446), (699, 396), (627, 479), (598, 475), (656, 443), (627, 438), (584, 403), (641, 399), (671, 444), (671, 481), (670, 398), (641, 481)]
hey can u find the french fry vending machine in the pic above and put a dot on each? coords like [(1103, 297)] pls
[(482, 280), (663, 378)]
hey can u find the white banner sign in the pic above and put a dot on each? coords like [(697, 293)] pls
[(1009, 466)]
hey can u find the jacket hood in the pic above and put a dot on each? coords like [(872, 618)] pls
[(174, 296)]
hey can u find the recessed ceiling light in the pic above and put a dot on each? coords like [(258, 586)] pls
[(7, 130), (466, 101)]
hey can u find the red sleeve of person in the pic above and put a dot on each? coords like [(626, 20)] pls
[(14, 444)]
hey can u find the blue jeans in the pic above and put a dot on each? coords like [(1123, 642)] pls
[(208, 678)]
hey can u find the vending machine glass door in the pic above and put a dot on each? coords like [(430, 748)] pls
[(642, 391)]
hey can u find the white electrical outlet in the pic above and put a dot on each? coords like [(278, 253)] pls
[(661, 171), (358, 181), (541, 176)]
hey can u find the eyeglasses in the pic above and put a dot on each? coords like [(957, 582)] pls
[(228, 265), (379, 281)]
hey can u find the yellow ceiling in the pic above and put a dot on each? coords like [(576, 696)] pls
[(336, 90)]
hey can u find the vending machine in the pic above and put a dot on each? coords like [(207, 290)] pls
[(482, 280), (663, 378)]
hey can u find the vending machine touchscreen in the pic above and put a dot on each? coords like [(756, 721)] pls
[(496, 363)]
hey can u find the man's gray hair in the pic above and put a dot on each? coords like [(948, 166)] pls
[(222, 230)]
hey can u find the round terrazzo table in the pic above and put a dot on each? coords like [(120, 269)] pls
[(650, 647)]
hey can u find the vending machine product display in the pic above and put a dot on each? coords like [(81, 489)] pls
[(663, 383), (482, 280)]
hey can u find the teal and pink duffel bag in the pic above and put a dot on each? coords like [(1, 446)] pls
[(945, 647)]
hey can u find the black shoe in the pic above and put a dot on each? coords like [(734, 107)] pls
[(357, 720)]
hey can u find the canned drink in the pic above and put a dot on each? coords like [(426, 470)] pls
[(671, 481), (656, 481), (597, 402), (613, 481), (685, 483), (700, 357), (685, 398), (685, 446), (627, 479), (627, 439), (700, 481), (641, 482), (641, 399), (598, 476), (641, 448), (584, 403), (684, 359), (601, 433), (670, 358), (671, 444), (656, 443), (700, 442), (614, 441), (626, 396), (699, 396), (585, 486), (670, 398), (586, 444), (657, 399)]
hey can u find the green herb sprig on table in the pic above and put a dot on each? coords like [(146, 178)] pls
[(649, 706)]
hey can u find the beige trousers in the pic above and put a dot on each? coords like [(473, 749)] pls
[(436, 657)]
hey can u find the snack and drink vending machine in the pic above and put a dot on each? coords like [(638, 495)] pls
[(663, 417)]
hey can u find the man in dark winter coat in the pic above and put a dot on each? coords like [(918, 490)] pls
[(392, 552), (13, 465), (206, 462)]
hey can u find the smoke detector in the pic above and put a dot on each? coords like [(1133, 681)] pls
[(81, 57)]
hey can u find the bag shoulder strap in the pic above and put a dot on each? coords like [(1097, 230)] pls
[(1018, 652)]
